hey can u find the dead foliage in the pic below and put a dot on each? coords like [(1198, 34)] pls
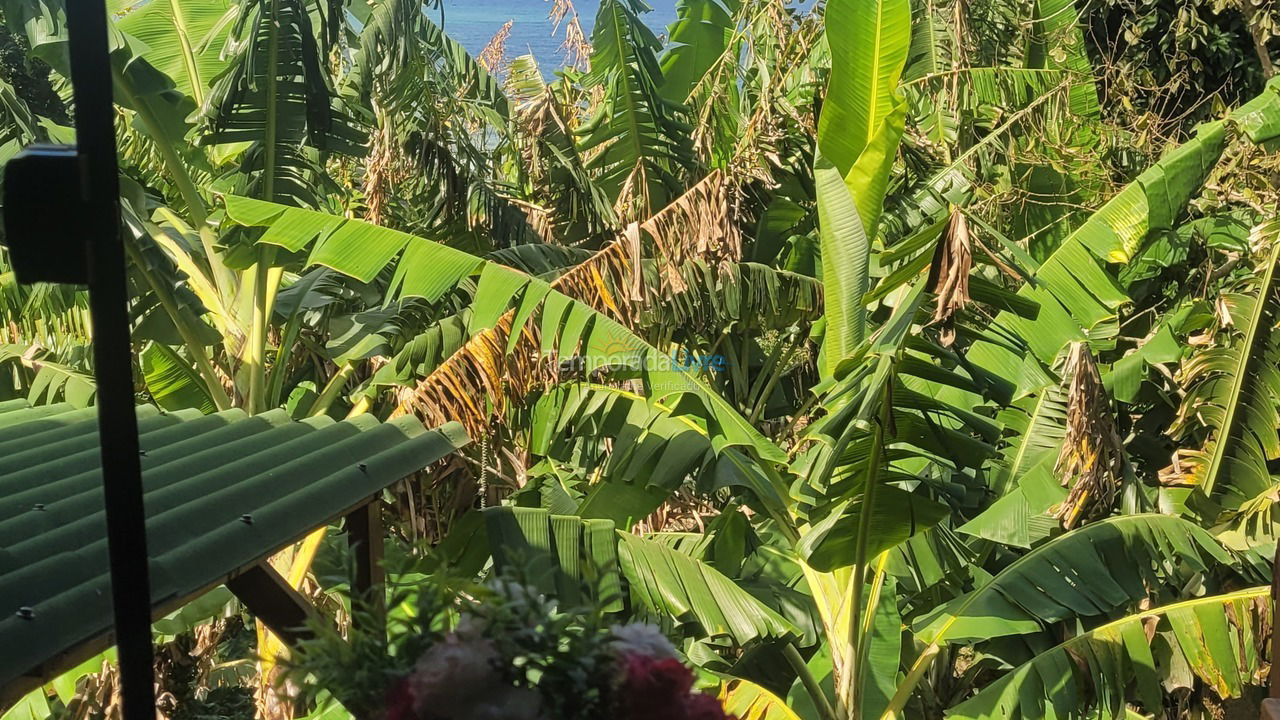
[(949, 275), (697, 225), (381, 174), (493, 56), (482, 379), (564, 206), (576, 48), (683, 511), (1091, 461)]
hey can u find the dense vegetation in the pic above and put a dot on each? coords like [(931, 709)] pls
[(901, 357)]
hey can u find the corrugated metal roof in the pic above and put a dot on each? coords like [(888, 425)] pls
[(222, 491)]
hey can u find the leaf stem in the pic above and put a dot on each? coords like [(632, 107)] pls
[(853, 691), (256, 350), (177, 169), (332, 389), (775, 369), (810, 683)]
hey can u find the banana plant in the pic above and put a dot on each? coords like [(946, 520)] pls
[(637, 140), (1228, 416)]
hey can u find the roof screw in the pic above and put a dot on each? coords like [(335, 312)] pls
[(38, 506), (26, 613), (247, 519), (363, 467)]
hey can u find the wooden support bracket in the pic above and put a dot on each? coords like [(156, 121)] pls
[(271, 599)]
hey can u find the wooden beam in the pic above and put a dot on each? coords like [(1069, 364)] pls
[(270, 598), (369, 580)]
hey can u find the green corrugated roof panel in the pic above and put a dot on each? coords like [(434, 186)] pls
[(222, 491)]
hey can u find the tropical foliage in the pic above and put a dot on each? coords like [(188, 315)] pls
[(882, 352)]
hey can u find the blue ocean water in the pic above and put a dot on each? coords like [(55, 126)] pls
[(474, 22)]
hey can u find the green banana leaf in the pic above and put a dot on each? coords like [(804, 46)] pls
[(183, 39), (636, 141), (746, 700), (1090, 571), (1221, 638), (1233, 391), (858, 134), (1077, 295), (558, 554), (698, 39), (695, 596)]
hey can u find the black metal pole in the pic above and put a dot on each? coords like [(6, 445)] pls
[(112, 353)]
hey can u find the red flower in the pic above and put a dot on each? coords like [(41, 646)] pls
[(653, 689), (399, 701), (701, 706), (659, 689)]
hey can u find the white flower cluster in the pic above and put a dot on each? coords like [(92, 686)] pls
[(520, 599), (641, 639)]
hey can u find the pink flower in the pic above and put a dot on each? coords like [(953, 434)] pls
[(458, 679), (452, 674)]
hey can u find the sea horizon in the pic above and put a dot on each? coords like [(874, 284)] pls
[(473, 23)]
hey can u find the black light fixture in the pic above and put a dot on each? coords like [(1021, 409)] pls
[(62, 224)]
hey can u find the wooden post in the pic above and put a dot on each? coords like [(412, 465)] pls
[(1275, 626), (368, 582), (1271, 706)]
